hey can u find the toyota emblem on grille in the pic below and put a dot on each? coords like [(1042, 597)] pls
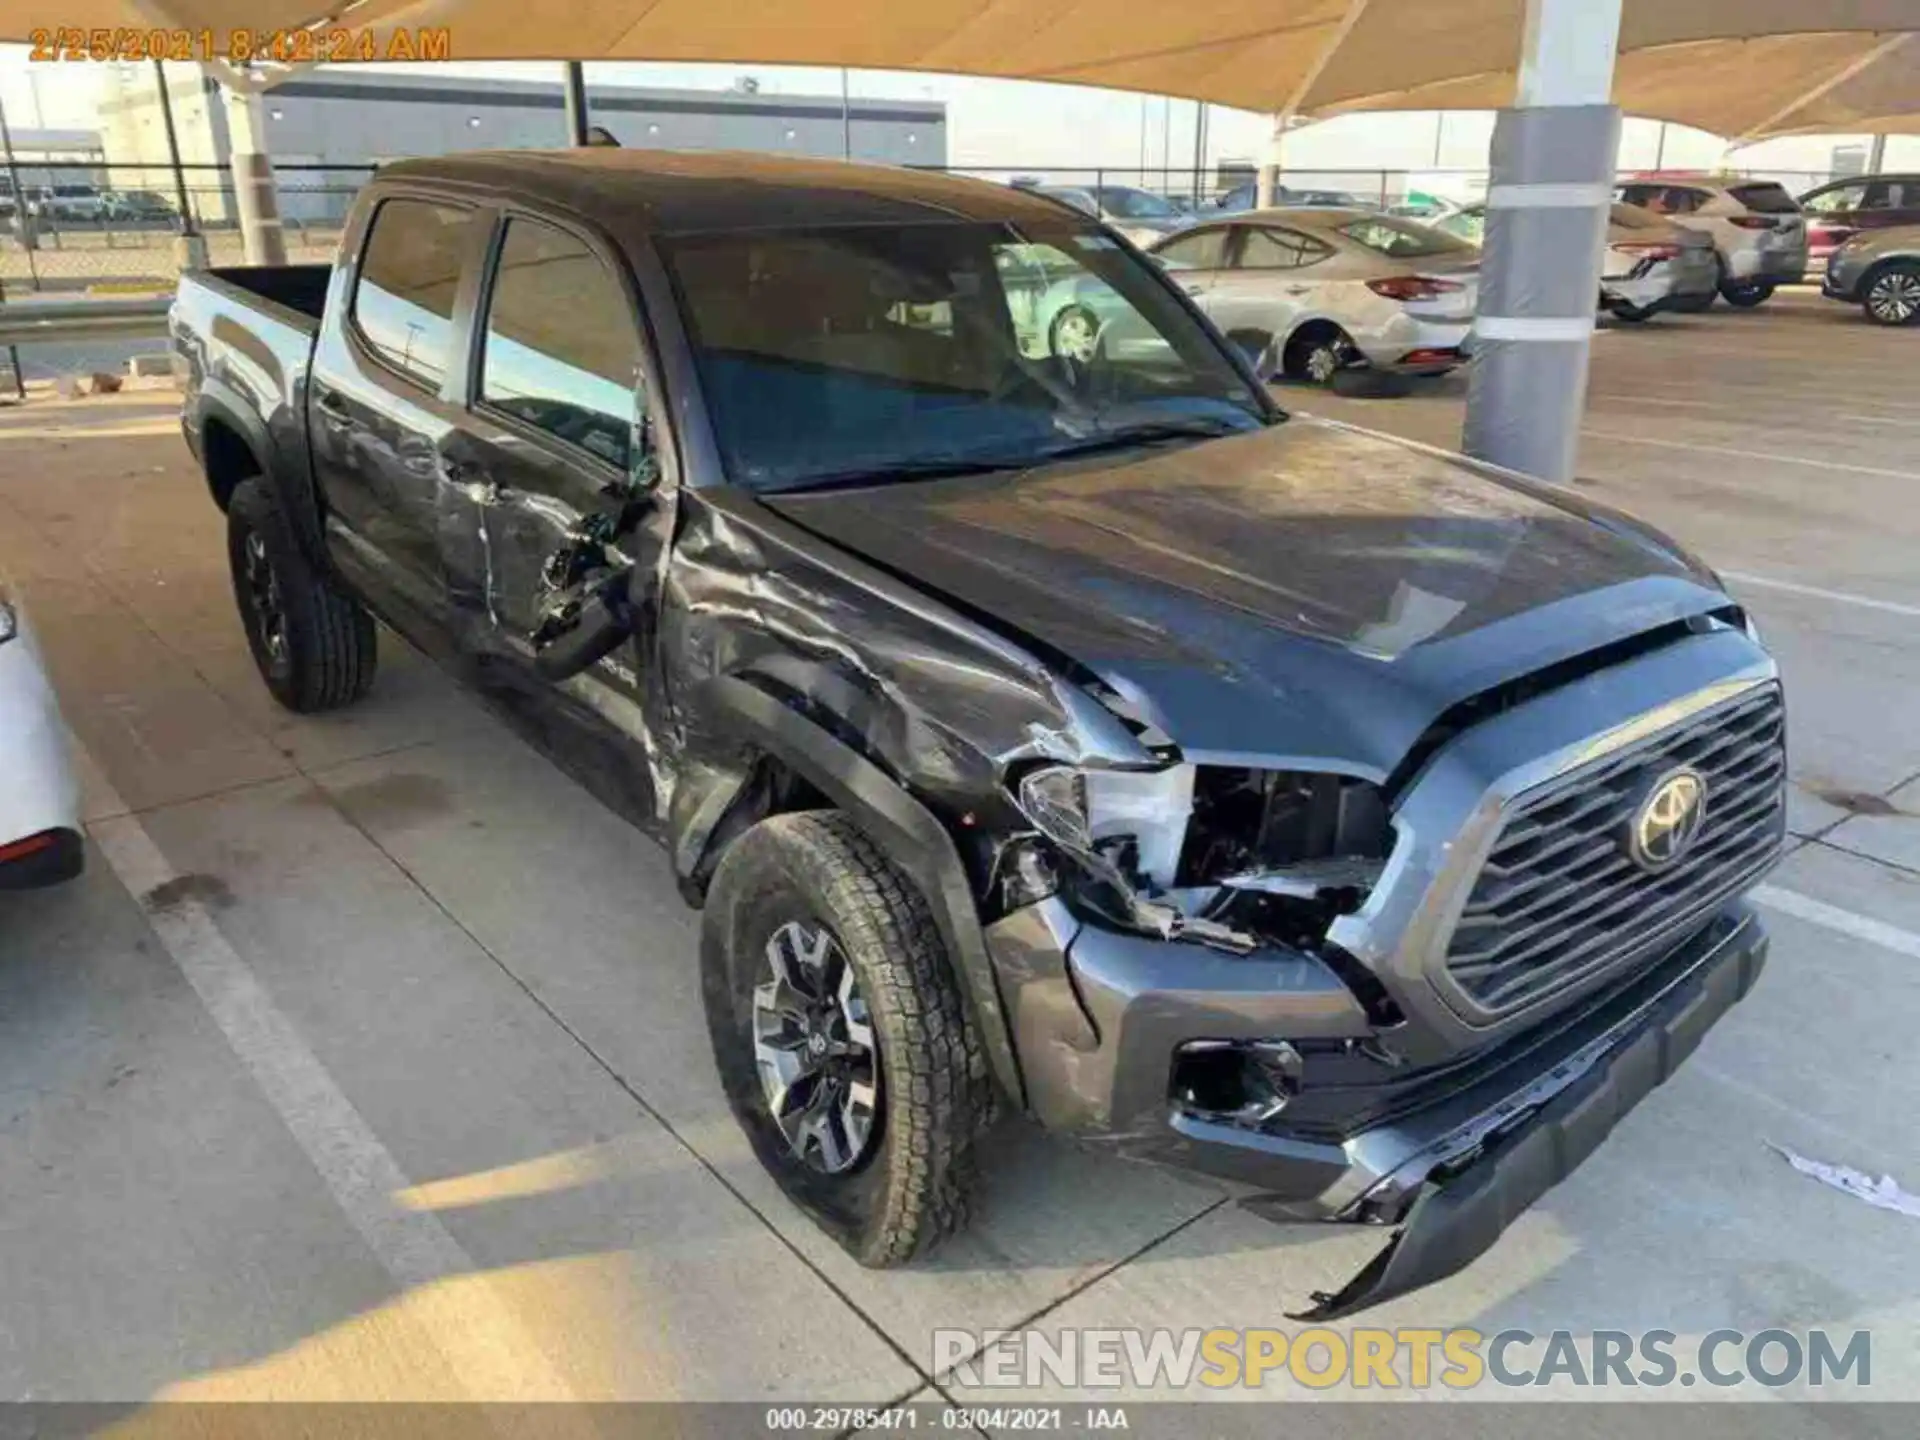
[(1668, 819)]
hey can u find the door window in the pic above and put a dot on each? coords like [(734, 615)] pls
[(1203, 250), (409, 274), (1836, 201), (562, 351)]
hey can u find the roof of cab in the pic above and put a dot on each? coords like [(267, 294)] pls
[(670, 191)]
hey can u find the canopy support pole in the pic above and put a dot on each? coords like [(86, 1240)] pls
[(1267, 182), (574, 88), (1552, 160), (255, 199)]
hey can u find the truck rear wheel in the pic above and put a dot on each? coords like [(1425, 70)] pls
[(841, 1036), (315, 646)]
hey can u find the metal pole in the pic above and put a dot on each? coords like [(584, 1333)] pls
[(1552, 161), (1166, 144), (22, 222), (574, 87), (1660, 148), (173, 150), (846, 118), (1199, 147), (1877, 155)]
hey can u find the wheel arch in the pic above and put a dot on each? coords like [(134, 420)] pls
[(791, 756), (234, 445), (237, 444)]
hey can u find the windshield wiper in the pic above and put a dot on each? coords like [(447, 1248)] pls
[(892, 470)]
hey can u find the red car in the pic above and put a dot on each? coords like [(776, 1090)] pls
[(1839, 208)]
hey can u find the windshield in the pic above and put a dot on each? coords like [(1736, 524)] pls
[(1403, 239), (854, 354), (1136, 204)]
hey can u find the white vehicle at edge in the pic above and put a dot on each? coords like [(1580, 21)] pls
[(39, 798)]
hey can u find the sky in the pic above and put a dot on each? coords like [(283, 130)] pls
[(1024, 125)]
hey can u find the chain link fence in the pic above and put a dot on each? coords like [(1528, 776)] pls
[(67, 231), (104, 227)]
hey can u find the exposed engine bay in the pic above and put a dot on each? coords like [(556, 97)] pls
[(1223, 856)]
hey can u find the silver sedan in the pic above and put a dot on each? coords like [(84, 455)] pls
[(1308, 293)]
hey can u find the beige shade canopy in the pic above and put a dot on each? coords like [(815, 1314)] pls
[(1743, 68)]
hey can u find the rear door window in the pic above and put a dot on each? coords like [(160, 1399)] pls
[(1265, 248), (409, 274)]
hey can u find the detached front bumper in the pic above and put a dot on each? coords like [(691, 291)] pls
[(1453, 1155)]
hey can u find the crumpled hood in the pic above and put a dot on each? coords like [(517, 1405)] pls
[(1308, 593)]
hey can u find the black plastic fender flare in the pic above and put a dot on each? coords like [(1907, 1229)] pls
[(912, 837), (288, 475)]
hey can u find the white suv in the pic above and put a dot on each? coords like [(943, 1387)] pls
[(1757, 229)]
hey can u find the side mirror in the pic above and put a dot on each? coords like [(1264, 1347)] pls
[(578, 631)]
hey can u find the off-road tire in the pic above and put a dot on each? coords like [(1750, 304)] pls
[(330, 647), (912, 1186)]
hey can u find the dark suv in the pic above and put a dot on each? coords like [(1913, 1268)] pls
[(1073, 731), (1842, 208)]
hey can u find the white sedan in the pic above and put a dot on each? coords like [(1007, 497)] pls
[(39, 799)]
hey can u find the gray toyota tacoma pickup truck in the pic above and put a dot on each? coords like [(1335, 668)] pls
[(1326, 813)]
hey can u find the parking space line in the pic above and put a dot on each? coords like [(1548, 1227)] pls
[(482, 1342), (1775, 457), (1839, 597), (1879, 419), (1846, 922)]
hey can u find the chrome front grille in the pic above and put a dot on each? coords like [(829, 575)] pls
[(1559, 898)]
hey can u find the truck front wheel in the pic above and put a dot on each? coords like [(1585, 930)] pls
[(314, 645), (841, 1037)]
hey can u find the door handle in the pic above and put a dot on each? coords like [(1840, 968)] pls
[(334, 406)]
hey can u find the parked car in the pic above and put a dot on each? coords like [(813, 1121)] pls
[(136, 206), (39, 800), (1838, 210), (1758, 232), (1140, 215), (71, 202), (1244, 196), (1879, 270), (1285, 801), (1650, 264), (1308, 293)]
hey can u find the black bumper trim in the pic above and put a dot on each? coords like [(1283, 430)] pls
[(61, 860), (1459, 1211)]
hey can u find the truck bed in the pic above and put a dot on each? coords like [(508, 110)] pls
[(299, 291), (246, 335)]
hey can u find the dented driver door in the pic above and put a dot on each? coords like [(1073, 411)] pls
[(560, 452)]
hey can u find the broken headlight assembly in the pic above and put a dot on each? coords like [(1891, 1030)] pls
[(1220, 855)]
